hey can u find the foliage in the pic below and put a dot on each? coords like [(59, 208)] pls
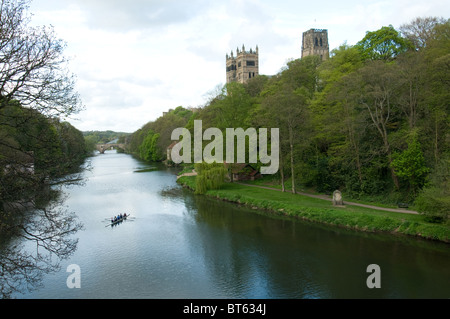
[(434, 200), (209, 176), (321, 211), (33, 68), (346, 123), (148, 150), (37, 150), (410, 164), (56, 147), (383, 44), (150, 142), (103, 137)]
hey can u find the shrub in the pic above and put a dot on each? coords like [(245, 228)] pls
[(209, 176)]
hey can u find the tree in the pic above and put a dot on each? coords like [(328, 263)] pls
[(148, 150), (288, 107), (337, 118), (209, 176), (376, 84), (36, 149), (383, 44), (437, 95), (410, 164), (33, 69), (420, 30), (434, 200), (233, 108)]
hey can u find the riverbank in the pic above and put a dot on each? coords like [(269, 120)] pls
[(322, 211)]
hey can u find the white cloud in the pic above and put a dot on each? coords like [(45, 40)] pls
[(136, 59)]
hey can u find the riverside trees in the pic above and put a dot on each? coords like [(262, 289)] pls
[(372, 120), (37, 148)]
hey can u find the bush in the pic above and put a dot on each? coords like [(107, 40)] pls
[(433, 204), (209, 176), (434, 200)]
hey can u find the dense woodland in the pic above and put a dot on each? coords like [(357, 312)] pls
[(102, 137), (372, 120)]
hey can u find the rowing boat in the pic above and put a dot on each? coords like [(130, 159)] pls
[(119, 220)]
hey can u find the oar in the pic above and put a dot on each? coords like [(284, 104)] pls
[(111, 223)]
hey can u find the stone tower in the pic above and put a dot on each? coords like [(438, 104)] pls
[(315, 42), (243, 66)]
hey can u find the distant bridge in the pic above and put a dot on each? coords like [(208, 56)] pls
[(103, 147)]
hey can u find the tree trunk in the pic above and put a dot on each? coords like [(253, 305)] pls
[(282, 170), (291, 145)]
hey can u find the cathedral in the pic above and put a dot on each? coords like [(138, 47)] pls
[(245, 65)]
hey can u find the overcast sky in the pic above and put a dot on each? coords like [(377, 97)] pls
[(138, 58)]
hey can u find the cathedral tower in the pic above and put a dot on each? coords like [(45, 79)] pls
[(315, 42), (243, 66)]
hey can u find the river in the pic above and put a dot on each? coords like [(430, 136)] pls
[(179, 245)]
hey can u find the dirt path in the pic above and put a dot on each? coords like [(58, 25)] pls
[(325, 197), (193, 173)]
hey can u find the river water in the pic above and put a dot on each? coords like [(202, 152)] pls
[(180, 245)]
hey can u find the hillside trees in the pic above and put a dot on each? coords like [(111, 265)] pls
[(372, 120), (151, 141), (338, 123)]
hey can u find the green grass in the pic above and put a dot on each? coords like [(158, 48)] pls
[(381, 200), (322, 211)]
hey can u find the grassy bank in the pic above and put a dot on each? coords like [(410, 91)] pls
[(322, 211)]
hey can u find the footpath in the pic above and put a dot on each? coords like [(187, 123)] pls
[(324, 197)]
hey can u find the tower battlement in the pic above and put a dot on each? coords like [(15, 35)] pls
[(243, 66), (315, 42)]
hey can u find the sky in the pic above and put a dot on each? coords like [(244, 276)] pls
[(136, 59)]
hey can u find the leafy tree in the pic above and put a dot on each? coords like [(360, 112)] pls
[(337, 118), (287, 109), (434, 200), (376, 83), (149, 149), (421, 30), (383, 44), (233, 108), (209, 176), (151, 141), (33, 69), (410, 164), (36, 149)]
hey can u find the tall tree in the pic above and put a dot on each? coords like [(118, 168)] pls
[(421, 30), (33, 68), (289, 108), (377, 86), (383, 44), (35, 90), (336, 115)]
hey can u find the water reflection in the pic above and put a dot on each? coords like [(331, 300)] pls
[(34, 241), (180, 245), (254, 255)]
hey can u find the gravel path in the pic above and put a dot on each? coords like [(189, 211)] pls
[(325, 197)]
